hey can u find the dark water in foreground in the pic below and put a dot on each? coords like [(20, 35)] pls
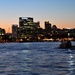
[(36, 59)]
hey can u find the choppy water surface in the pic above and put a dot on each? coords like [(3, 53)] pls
[(41, 58)]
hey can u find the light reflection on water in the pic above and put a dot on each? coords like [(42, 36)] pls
[(36, 59)]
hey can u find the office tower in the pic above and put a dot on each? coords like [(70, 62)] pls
[(14, 30), (27, 27), (25, 21), (47, 26)]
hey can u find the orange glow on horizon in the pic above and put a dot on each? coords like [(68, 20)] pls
[(8, 25)]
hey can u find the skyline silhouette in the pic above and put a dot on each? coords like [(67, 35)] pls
[(57, 12)]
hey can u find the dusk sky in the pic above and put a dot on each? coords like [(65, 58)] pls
[(57, 12)]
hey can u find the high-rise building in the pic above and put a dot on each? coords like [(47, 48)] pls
[(26, 27), (14, 30), (25, 21), (47, 26), (28, 22)]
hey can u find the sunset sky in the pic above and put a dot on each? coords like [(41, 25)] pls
[(57, 12)]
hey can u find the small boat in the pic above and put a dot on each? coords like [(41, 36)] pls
[(66, 45), (72, 47)]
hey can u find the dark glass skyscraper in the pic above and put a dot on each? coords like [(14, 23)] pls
[(47, 26)]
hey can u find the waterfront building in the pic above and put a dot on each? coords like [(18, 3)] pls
[(2, 34), (54, 30), (14, 30), (47, 30), (27, 28), (47, 26), (54, 27), (28, 22), (2, 31)]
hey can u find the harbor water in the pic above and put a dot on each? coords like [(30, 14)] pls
[(36, 58)]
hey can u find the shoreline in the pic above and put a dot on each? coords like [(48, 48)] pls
[(31, 41)]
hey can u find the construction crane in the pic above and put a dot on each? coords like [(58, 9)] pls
[(8, 30)]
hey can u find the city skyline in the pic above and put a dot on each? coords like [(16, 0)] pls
[(57, 12)]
